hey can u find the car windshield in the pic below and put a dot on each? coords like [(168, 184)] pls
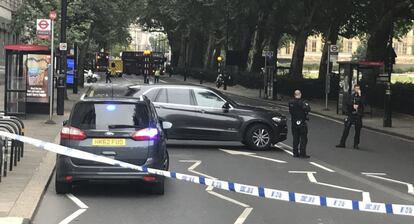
[(103, 116)]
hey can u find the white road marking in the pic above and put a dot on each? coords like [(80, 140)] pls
[(243, 216), (282, 146), (366, 196), (288, 152), (304, 172), (285, 148), (76, 200), (250, 154), (74, 215), (163, 81), (228, 199), (377, 176), (195, 165), (322, 167), (327, 118)]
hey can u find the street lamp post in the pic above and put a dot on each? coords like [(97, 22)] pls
[(226, 75), (387, 122), (63, 64)]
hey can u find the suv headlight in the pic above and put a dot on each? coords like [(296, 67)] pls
[(277, 119)]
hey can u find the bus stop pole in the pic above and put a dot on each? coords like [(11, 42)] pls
[(75, 71), (51, 75)]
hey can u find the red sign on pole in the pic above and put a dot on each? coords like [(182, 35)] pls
[(52, 15), (43, 28)]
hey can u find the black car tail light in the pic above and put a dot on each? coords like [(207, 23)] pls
[(71, 133), (145, 134)]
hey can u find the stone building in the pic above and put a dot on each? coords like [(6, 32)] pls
[(313, 52), (6, 34)]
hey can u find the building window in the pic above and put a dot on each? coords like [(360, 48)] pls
[(313, 45), (404, 49), (349, 46), (288, 49), (306, 46)]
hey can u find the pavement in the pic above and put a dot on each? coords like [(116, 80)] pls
[(402, 124), (23, 188), (381, 171)]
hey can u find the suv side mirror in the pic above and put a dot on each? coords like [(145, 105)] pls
[(166, 125), (65, 122), (226, 107)]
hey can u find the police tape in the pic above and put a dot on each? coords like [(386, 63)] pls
[(262, 192)]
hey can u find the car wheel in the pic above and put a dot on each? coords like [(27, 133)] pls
[(259, 137), (158, 188), (62, 187), (167, 161)]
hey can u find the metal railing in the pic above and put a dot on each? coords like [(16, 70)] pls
[(11, 151)]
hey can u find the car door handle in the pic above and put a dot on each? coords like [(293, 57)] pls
[(202, 111), (158, 106)]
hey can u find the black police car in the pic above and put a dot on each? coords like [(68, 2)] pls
[(127, 130), (202, 113)]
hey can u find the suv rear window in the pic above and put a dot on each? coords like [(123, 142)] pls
[(98, 116)]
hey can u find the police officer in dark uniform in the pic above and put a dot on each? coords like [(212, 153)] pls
[(108, 76), (355, 112), (299, 111)]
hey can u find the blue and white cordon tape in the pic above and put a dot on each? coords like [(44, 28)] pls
[(384, 208)]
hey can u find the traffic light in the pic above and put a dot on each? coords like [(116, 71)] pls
[(147, 52), (219, 64)]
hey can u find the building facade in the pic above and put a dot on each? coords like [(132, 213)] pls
[(7, 7), (348, 47), (139, 39)]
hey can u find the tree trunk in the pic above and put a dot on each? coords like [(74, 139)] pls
[(305, 26), (183, 54), (175, 44), (247, 43), (331, 35), (255, 53), (208, 57), (378, 41), (82, 57), (380, 34), (296, 67)]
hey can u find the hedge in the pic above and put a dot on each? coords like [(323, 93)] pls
[(402, 93)]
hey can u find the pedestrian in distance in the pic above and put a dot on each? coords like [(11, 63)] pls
[(299, 111), (108, 76), (354, 112), (157, 75)]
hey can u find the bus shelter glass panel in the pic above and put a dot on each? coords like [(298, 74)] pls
[(36, 68), (16, 79), (16, 86), (16, 103)]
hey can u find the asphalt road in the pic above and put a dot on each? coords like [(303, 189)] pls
[(330, 172)]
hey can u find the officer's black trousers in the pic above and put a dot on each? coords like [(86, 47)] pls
[(108, 79), (357, 122), (300, 139)]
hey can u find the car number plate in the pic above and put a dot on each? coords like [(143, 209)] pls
[(108, 142)]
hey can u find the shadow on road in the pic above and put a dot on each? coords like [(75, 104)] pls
[(115, 189)]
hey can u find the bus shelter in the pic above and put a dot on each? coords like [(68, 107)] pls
[(26, 79), (365, 73)]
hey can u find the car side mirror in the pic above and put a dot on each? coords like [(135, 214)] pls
[(166, 125), (65, 122), (226, 107)]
